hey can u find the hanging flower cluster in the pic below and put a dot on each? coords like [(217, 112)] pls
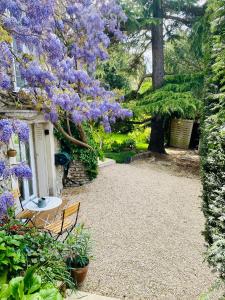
[(22, 170), (9, 127), (66, 41), (6, 201)]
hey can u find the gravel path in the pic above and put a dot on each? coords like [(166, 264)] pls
[(146, 224)]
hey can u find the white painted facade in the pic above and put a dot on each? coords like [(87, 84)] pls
[(39, 153)]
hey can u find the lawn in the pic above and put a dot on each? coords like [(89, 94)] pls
[(120, 157)]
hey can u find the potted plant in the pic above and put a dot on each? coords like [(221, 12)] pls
[(11, 153), (78, 253)]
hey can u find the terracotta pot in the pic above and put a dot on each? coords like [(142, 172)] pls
[(79, 274), (11, 153)]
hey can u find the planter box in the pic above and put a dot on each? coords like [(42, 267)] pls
[(180, 133)]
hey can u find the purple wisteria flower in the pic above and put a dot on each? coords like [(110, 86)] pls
[(22, 130), (22, 170), (8, 127), (66, 43), (2, 167), (6, 132), (6, 201)]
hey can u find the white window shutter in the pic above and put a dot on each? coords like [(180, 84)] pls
[(41, 160)]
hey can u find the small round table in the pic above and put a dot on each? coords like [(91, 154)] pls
[(51, 203)]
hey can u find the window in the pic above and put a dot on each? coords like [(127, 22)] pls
[(19, 82), (25, 152)]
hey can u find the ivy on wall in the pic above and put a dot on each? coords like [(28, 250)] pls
[(85, 155), (213, 141)]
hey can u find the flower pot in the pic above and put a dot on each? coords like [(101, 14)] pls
[(11, 153), (79, 274)]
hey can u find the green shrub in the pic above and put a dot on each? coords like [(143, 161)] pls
[(140, 135), (29, 287), (12, 254), (213, 142), (85, 155)]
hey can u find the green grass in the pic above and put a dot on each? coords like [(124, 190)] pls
[(142, 146), (120, 157), (117, 137)]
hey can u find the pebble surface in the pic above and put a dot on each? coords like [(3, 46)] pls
[(146, 225)]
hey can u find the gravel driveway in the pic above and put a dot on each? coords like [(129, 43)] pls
[(146, 224)]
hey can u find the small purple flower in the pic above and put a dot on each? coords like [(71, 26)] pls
[(22, 130), (2, 167), (22, 171), (6, 201), (6, 133), (77, 117)]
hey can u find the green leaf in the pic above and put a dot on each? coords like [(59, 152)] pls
[(5, 292), (17, 287), (32, 281), (50, 294)]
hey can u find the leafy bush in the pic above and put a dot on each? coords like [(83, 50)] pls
[(114, 146), (22, 247), (213, 142), (44, 252), (87, 156), (12, 254), (140, 135), (29, 287)]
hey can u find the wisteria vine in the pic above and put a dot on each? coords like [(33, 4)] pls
[(21, 170), (66, 41)]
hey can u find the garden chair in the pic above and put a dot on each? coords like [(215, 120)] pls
[(66, 223), (24, 214)]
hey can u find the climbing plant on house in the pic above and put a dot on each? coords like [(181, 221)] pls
[(56, 47), (213, 142)]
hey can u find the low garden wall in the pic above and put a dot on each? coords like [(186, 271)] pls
[(77, 175)]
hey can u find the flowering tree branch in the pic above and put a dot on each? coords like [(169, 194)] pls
[(71, 138)]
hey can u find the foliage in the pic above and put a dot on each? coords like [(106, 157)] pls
[(114, 72), (140, 135), (22, 170), (122, 126), (78, 247), (121, 157), (146, 85), (12, 255), (28, 247), (180, 97), (213, 141), (29, 287), (180, 57), (46, 254), (57, 61), (87, 156), (117, 142)]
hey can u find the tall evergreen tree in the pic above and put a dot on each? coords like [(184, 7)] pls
[(150, 23)]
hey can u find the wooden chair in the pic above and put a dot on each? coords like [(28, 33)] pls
[(24, 214), (66, 223)]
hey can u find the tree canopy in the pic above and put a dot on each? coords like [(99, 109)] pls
[(57, 47)]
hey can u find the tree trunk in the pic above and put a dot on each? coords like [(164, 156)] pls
[(156, 143)]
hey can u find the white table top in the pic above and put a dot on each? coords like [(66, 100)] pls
[(51, 202)]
